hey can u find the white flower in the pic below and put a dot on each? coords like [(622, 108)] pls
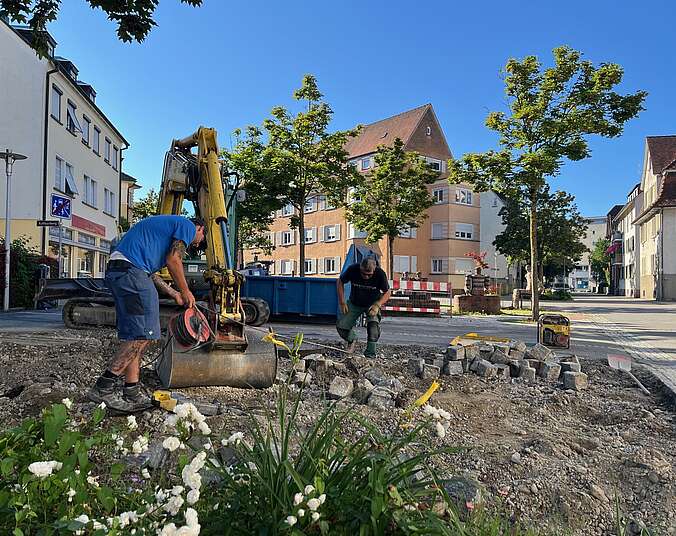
[(308, 489), (313, 504), (128, 517), (160, 496), (171, 420), (145, 473), (234, 438), (191, 517), (44, 469), (204, 428), (177, 490), (174, 505), (97, 526), (192, 479), (168, 530), (322, 498), (301, 512), (71, 493), (140, 445), (441, 431), (102, 405), (119, 442), (171, 443), (315, 516), (93, 481), (297, 499), (291, 521), (84, 518), (131, 422), (182, 410), (193, 496), (67, 402)]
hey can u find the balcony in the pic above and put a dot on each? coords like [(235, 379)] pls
[(617, 236)]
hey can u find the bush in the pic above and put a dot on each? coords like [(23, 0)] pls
[(24, 262), (556, 295)]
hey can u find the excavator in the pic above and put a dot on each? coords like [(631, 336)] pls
[(208, 345)]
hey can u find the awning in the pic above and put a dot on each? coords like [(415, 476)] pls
[(613, 248)]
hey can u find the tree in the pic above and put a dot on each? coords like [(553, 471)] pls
[(134, 18), (552, 112), (560, 230), (305, 159), (148, 205), (393, 197), (599, 260)]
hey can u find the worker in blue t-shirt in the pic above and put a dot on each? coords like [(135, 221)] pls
[(147, 247)]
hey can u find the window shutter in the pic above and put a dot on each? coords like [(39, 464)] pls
[(337, 261), (414, 263), (338, 232), (445, 266), (271, 237), (322, 231), (279, 238), (293, 236), (320, 265), (414, 232)]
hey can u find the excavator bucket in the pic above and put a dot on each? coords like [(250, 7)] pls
[(253, 367)]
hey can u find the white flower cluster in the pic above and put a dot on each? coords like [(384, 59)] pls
[(312, 504), (439, 415), (131, 423), (140, 445), (67, 402), (191, 528), (123, 520), (190, 417), (234, 439), (44, 469)]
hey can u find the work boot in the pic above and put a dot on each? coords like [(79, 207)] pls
[(370, 349), (351, 346), (136, 397), (104, 390)]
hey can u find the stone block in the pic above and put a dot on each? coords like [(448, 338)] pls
[(340, 387), (437, 362), (486, 350), (518, 355), (568, 366), (302, 378), (430, 372), (550, 371), (300, 366), (575, 380), (504, 346), (453, 368), (503, 372), (381, 398), (463, 303), (362, 390), (498, 357), (467, 364), (569, 358), (472, 351), (393, 384), (539, 352), (518, 345), (534, 363), (455, 353), (486, 369), (527, 373), (514, 367), (474, 364), (375, 375), (415, 366)]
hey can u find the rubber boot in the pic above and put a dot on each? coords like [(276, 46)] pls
[(370, 349)]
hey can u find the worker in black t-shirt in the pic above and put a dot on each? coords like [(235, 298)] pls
[(370, 290)]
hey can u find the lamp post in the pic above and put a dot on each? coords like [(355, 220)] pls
[(9, 157)]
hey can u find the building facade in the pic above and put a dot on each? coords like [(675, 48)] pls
[(73, 150), (625, 247), (490, 227), (436, 249), (127, 188), (657, 220), (581, 277)]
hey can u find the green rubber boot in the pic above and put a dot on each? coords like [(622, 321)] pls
[(370, 349)]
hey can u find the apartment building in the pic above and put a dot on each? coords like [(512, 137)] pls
[(581, 278), (625, 247), (73, 150), (436, 249), (490, 227), (657, 220), (128, 186)]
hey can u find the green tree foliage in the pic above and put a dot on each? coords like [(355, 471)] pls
[(552, 112), (393, 197), (24, 260), (134, 19), (304, 159), (600, 262), (560, 230), (145, 206)]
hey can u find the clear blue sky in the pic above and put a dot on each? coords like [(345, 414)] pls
[(228, 63)]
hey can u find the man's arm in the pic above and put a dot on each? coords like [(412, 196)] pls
[(340, 288), (162, 286), (384, 298), (175, 266)]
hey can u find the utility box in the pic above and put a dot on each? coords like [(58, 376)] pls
[(554, 330)]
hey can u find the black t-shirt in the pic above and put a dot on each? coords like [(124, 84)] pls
[(365, 292)]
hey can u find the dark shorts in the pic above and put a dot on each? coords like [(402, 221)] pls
[(137, 304)]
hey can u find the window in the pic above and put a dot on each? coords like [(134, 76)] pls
[(464, 266), (352, 232), (287, 210), (439, 231), (67, 233), (331, 233), (365, 163), (70, 186), (286, 267), (434, 163), (56, 103), (440, 265), (352, 196), (331, 265), (311, 205), (106, 149), (402, 263), (462, 196), (72, 124), (103, 260), (86, 123), (116, 153), (104, 244), (464, 231), (109, 202), (90, 191), (408, 232), (287, 238), (310, 266), (58, 174), (310, 235), (96, 145), (439, 195), (86, 239)]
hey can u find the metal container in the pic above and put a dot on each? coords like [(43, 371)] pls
[(554, 330)]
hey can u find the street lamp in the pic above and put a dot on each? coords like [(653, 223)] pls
[(9, 157)]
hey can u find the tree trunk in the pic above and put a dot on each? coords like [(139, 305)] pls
[(534, 271), (390, 256), (301, 240)]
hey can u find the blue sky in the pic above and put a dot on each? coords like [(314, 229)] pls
[(228, 63)]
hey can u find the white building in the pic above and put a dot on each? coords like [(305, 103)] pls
[(491, 226), (581, 279), (628, 234), (73, 149)]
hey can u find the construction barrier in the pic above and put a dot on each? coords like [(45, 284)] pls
[(416, 296)]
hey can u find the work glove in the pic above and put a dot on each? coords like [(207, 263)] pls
[(343, 307), (374, 310)]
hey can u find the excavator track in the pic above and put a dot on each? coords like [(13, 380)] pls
[(87, 313)]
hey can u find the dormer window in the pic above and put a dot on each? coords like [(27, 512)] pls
[(72, 124)]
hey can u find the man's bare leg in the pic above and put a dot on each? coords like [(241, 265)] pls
[(127, 360)]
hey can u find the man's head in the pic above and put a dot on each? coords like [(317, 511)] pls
[(367, 267), (199, 242)]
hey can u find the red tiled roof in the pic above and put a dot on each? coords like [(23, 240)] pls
[(666, 195), (662, 150), (384, 132)]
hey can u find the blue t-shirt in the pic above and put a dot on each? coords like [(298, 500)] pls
[(147, 243)]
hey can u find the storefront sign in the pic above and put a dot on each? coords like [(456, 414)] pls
[(88, 225)]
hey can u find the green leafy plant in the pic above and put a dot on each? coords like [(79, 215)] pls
[(24, 262)]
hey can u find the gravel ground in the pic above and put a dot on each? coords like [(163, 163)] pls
[(561, 461)]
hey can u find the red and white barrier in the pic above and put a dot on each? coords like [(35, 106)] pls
[(411, 309), (430, 286)]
